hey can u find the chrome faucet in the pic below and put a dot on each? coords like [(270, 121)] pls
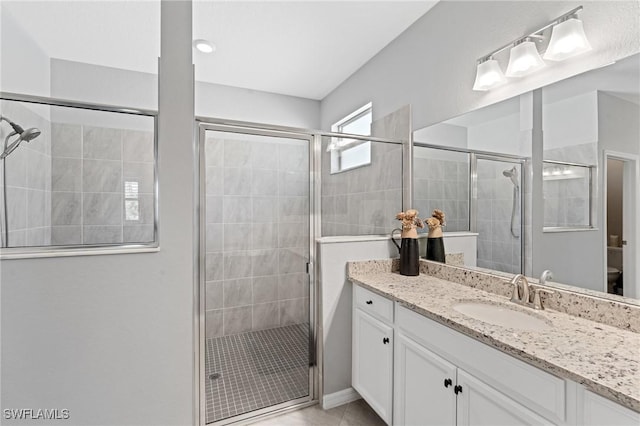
[(522, 298), (546, 275), (516, 296)]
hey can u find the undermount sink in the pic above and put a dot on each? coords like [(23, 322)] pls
[(502, 315)]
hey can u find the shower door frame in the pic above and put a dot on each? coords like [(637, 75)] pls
[(204, 124), (474, 156)]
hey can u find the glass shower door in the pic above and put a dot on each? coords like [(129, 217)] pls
[(256, 289), (499, 214)]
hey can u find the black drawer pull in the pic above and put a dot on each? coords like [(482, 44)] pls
[(457, 389), (385, 340), (369, 302), (447, 383)]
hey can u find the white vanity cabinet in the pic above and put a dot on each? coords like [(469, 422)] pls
[(414, 371), (430, 391), (594, 410), (445, 378), (372, 354), (424, 386)]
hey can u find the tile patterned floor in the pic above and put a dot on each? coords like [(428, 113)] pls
[(256, 370), (357, 413)]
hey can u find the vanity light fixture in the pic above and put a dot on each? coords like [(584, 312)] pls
[(567, 40), (524, 59), (204, 46), (488, 74)]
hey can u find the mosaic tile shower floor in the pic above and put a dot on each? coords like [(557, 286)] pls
[(255, 370)]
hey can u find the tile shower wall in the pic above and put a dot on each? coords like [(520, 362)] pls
[(497, 248), (257, 234), (28, 170), (444, 185), (90, 167), (364, 200), (566, 201)]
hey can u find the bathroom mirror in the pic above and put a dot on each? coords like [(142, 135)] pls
[(575, 198)]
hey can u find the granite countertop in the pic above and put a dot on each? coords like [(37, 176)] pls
[(605, 359)]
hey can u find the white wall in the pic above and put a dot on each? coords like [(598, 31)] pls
[(234, 103), (111, 337), (103, 85), (570, 121), (112, 86), (444, 134), (502, 135), (334, 253), (432, 64), (24, 66)]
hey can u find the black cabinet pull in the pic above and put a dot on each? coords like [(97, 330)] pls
[(447, 383), (369, 302), (385, 340), (457, 389)]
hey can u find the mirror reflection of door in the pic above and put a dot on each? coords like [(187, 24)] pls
[(615, 224)]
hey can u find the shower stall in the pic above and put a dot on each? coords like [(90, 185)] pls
[(75, 176), (266, 194), (480, 192), (256, 203)]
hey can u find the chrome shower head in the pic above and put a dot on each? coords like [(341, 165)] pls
[(512, 174), (23, 135), (30, 134)]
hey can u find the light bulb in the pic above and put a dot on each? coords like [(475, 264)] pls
[(524, 59), (488, 75), (204, 46), (567, 39)]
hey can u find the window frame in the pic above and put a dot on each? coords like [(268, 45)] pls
[(590, 172), (345, 145)]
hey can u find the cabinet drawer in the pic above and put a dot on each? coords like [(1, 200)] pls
[(373, 304), (542, 392)]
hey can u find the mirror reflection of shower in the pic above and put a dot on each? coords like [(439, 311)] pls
[(512, 174), (20, 135)]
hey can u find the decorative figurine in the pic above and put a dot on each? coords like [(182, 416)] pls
[(408, 248), (435, 241)]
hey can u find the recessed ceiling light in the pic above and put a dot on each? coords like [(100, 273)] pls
[(204, 46)]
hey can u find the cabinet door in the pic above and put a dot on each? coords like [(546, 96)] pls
[(424, 385), (480, 404), (373, 362), (595, 410)]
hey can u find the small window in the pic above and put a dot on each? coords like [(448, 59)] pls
[(349, 153), (131, 205), (568, 195)]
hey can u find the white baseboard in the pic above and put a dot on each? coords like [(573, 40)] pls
[(339, 398)]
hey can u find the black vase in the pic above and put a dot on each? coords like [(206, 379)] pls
[(435, 249), (409, 256)]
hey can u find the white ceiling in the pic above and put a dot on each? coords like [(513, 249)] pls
[(299, 48)]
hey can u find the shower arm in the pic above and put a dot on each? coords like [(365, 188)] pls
[(16, 128)]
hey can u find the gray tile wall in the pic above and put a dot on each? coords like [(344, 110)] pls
[(257, 235), (28, 170), (566, 201), (444, 185), (90, 166), (497, 248), (364, 200)]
